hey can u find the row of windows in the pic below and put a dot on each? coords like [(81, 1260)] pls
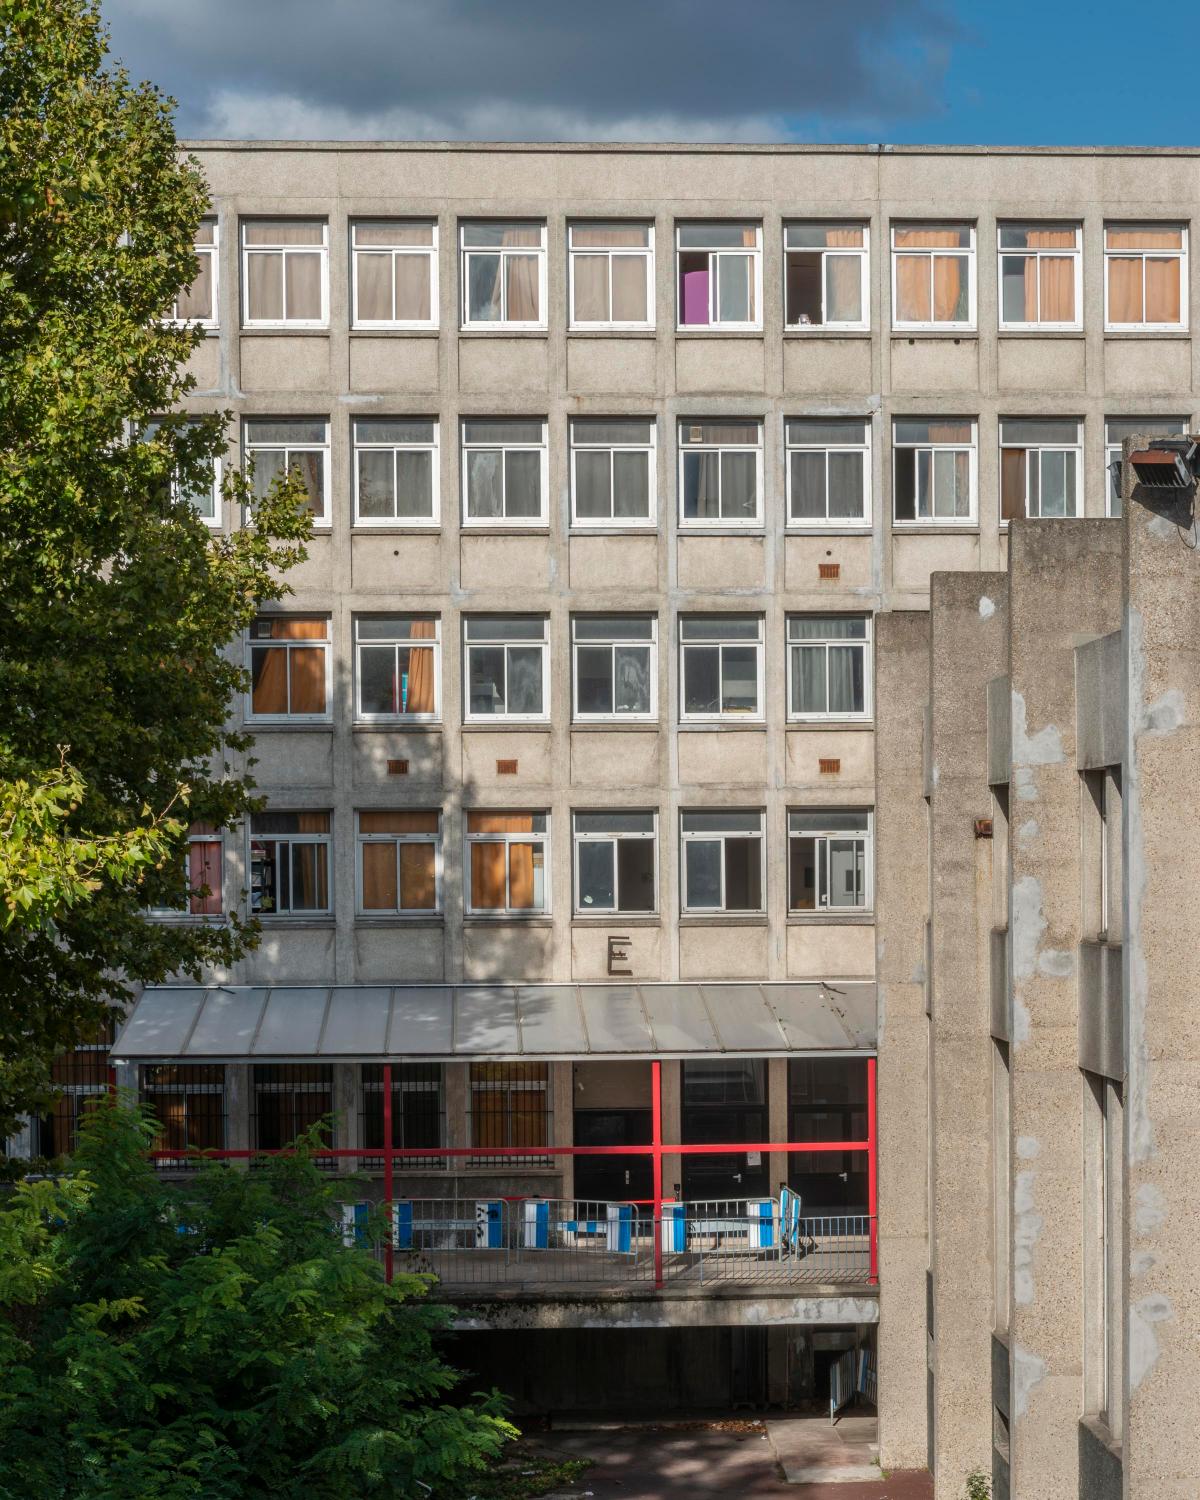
[(399, 869), (506, 668), (613, 469), (719, 275)]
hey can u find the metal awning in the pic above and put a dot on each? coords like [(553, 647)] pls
[(474, 1022)]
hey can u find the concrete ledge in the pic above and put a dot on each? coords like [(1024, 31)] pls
[(748, 1310)]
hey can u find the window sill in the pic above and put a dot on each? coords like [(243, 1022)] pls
[(813, 331), (506, 726), (817, 726), (647, 528), (615, 919), (395, 333), (426, 921), (646, 726), (714, 330), (262, 330), (477, 919), (933, 528), (723, 919), (863, 528), (1040, 333), (612, 333), (758, 529), (256, 726), (718, 727), (958, 335), (429, 528), (271, 923), (1136, 335), (396, 726), (830, 919), (485, 528), (499, 330), (186, 919)]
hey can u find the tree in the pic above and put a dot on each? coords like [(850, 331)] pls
[(215, 1340), (117, 601)]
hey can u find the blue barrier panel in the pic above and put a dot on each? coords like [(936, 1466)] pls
[(674, 1227), (489, 1223), (762, 1222), (537, 1226), (402, 1226)]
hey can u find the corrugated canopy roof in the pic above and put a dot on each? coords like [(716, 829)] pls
[(465, 1022)]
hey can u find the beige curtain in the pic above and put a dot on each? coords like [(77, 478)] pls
[(302, 278), (1012, 483), (1143, 239), (264, 287), (521, 281), (412, 288), (591, 288), (1125, 290), (1162, 290), (840, 238), (912, 289), (843, 289), (374, 281), (280, 232), (1050, 239), (608, 236), (1057, 274)]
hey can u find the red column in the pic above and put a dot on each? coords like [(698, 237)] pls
[(389, 1250), (873, 1170), (656, 1163)]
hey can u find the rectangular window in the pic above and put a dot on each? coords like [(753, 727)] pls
[(395, 471), (828, 471), (720, 667), (508, 856), (720, 275), (204, 871), (276, 445), (285, 273), (188, 1100), (722, 860), (829, 860), (612, 275), (503, 274), (79, 1077), (205, 498), (398, 667), (198, 303), (614, 862), (933, 281), (616, 666), (1040, 467), (829, 666), (1145, 277), (417, 1113), (289, 864), (933, 470), (507, 667), (826, 275), (1116, 430), (399, 865), (720, 473), (510, 1107), (504, 471), (289, 667), (1040, 276), (613, 476), (395, 281), (290, 1098)]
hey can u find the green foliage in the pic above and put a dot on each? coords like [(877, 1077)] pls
[(117, 600), (216, 1340), (979, 1485)]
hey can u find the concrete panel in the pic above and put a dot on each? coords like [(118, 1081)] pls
[(602, 367), (614, 562), (482, 748), (493, 365), (724, 951), (925, 365), (393, 364), (648, 1311), (507, 951), (611, 758), (818, 951), (818, 366), (915, 557), (491, 561), (589, 950), (853, 555), (722, 757), (371, 750), (293, 757), (708, 563), (205, 366), (315, 574), (395, 954), (1032, 364), (284, 362), (290, 955), (718, 364), (999, 731), (1148, 366), (1100, 702), (1101, 1010), (397, 564), (854, 748)]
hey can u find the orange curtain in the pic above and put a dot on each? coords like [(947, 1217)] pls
[(306, 670), (269, 689), (379, 877), (1012, 483), (418, 880), (487, 876), (947, 288), (499, 822), (1057, 288), (1162, 290), (912, 289), (420, 670), (927, 239), (312, 822), (398, 822), (1050, 239), (520, 876), (837, 238), (1125, 290), (1143, 239)]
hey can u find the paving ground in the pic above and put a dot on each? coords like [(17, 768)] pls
[(733, 1459)]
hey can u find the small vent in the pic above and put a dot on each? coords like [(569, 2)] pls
[(829, 570), (983, 828), (506, 768), (397, 768), (829, 766)]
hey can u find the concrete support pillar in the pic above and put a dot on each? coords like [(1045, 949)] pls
[(238, 1091), (346, 1106), (777, 1120), (563, 1106)]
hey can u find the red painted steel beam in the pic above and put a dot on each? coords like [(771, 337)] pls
[(400, 1153)]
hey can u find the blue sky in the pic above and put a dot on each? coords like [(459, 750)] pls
[(928, 71)]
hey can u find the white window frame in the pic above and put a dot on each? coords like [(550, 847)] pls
[(397, 644), (492, 523), (503, 324), (722, 523), (430, 252), (325, 644), (397, 840), (291, 839), (1061, 253), (613, 644), (924, 523), (829, 523), (614, 522), (265, 249), (211, 253), (714, 325), (507, 912), (1158, 426), (709, 836), (323, 520), (719, 644), (966, 252), (629, 252), (614, 836), (823, 838), (864, 256), (866, 645), (430, 522), (1075, 449), (1180, 255), (505, 644)]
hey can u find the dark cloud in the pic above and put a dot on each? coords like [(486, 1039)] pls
[(532, 69)]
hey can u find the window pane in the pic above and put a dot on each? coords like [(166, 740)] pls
[(702, 821), (1056, 289), (702, 864), (306, 667), (392, 232), (593, 667), (522, 484), (743, 874), (375, 479), (846, 692), (591, 288), (717, 236), (739, 684), (379, 889), (502, 234), (486, 679), (597, 876), (618, 430), (1162, 290), (1018, 290), (631, 674), (595, 236), (739, 498), (414, 484), (268, 676), (614, 822), (1039, 430), (802, 874), (701, 486), (377, 680), (808, 486), (506, 628), (735, 288), (303, 284), (803, 289), (1124, 290), (846, 871), (720, 628), (846, 486), (701, 680), (521, 286), (413, 288), (312, 471), (524, 680), (808, 680), (631, 486), (310, 877), (196, 301), (592, 484), (635, 868), (264, 288), (485, 500), (488, 863), (843, 289), (827, 431), (483, 288), (1055, 484), (418, 877), (374, 287), (913, 303), (826, 627), (629, 289), (613, 628), (281, 232)]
